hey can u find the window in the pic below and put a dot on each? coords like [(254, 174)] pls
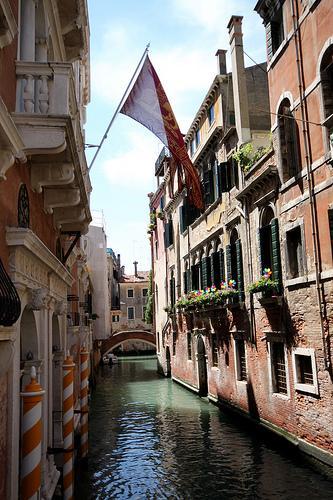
[(23, 210), (295, 253), (145, 292), (130, 313), (115, 318), (215, 349), (192, 147), (304, 367), (130, 293), (156, 249), (189, 345), (143, 312), (208, 185), (195, 274), (289, 141), (326, 76), (168, 233), (276, 31), (172, 289), (205, 272), (211, 114), (279, 375), (241, 373), (197, 138), (186, 279), (187, 215), (227, 176), (269, 244), (330, 222)]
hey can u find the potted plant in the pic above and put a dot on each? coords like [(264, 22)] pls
[(265, 285)]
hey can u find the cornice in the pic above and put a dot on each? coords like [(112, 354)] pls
[(22, 237)]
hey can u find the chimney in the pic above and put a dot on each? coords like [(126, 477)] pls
[(239, 80), (221, 62), (135, 268)]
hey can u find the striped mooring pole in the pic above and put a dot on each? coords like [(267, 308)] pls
[(31, 470), (68, 427), (84, 375)]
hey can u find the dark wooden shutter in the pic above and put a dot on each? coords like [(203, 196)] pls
[(166, 235), (208, 188), (185, 282), (194, 276), (228, 260), (181, 219), (203, 268), (269, 43), (208, 271), (240, 276), (212, 269), (170, 231), (223, 178), (221, 265), (276, 253)]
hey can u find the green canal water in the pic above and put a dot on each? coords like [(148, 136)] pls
[(152, 439)]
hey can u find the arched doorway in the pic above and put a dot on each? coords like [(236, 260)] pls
[(29, 345), (168, 362), (202, 367)]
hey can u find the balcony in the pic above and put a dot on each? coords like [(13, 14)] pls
[(159, 164), (49, 122)]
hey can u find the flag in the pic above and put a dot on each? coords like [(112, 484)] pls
[(148, 104)]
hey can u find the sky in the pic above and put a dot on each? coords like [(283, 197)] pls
[(184, 36)]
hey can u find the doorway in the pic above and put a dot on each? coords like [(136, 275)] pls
[(168, 362), (202, 367)]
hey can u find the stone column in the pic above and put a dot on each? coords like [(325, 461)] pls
[(28, 30)]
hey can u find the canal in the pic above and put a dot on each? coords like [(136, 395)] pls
[(152, 439)]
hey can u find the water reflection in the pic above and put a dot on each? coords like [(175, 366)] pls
[(152, 439)]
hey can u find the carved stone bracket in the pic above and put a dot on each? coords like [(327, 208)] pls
[(51, 175), (54, 198), (7, 160), (60, 308)]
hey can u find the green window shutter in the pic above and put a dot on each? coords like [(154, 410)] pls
[(240, 276), (223, 178), (212, 269), (170, 226), (207, 187), (276, 257), (181, 219), (221, 266), (166, 235), (185, 288), (203, 266), (208, 271), (228, 260)]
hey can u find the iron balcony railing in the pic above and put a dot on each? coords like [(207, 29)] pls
[(164, 154)]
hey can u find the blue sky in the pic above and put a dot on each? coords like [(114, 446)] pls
[(184, 36)]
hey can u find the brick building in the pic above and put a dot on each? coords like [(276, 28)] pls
[(44, 208), (262, 344)]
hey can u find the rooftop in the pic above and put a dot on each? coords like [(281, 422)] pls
[(141, 277)]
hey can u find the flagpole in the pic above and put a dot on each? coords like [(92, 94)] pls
[(119, 106)]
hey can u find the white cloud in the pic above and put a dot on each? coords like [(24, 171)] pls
[(133, 169)]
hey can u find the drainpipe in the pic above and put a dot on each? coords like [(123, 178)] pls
[(308, 159)]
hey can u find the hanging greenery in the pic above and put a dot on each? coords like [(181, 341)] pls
[(246, 156), (150, 298)]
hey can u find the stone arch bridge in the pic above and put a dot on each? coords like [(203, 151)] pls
[(118, 338)]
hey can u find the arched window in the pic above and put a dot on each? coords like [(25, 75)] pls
[(326, 75), (289, 141), (269, 255), (23, 210)]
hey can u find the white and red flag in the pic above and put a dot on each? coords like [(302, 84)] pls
[(148, 104)]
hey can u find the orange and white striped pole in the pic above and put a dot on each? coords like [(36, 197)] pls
[(68, 427), (84, 375), (31, 471)]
